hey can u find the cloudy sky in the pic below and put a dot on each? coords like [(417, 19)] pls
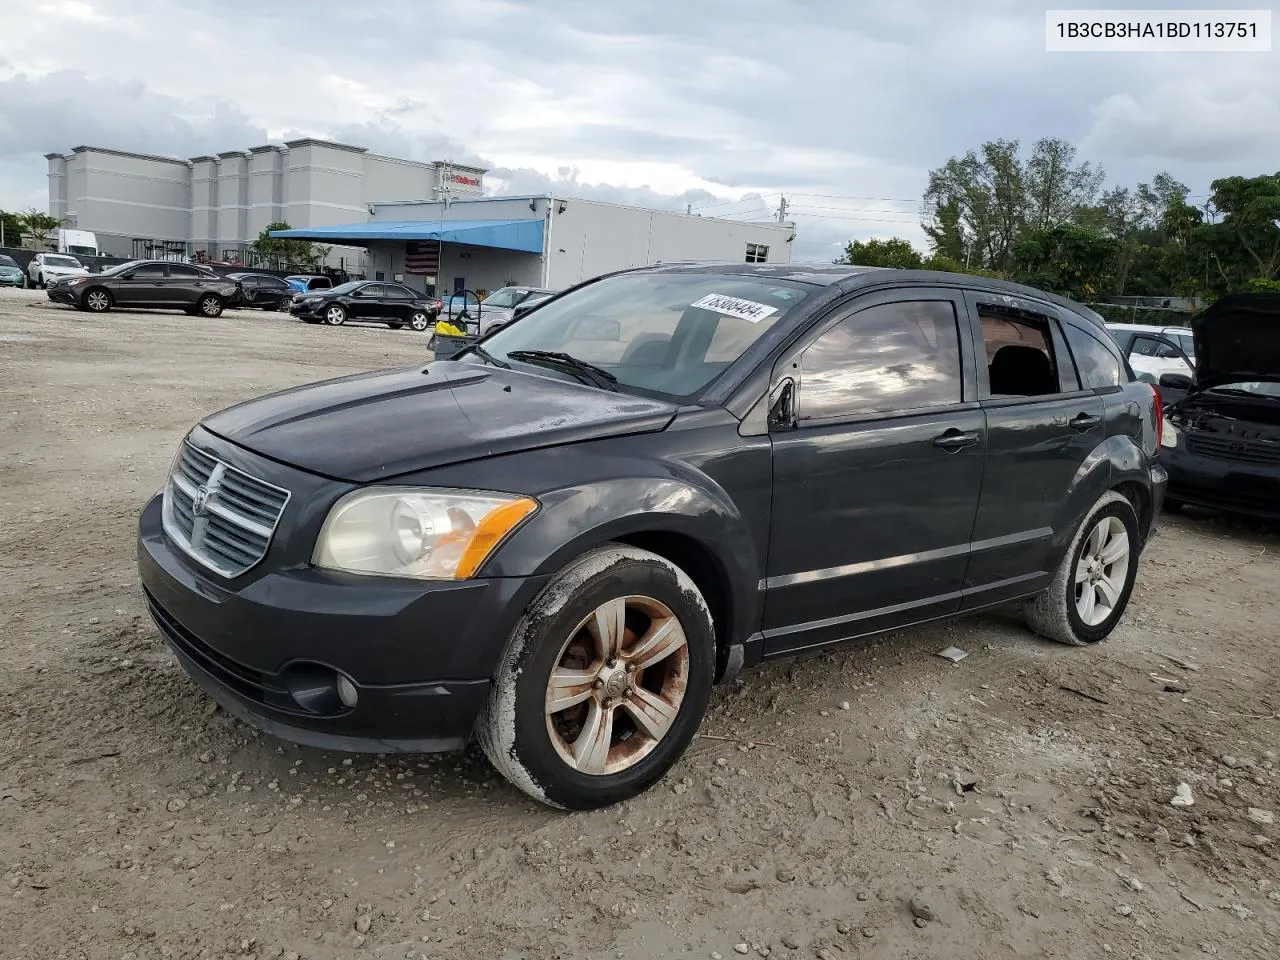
[(843, 107)]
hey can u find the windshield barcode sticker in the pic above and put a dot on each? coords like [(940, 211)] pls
[(733, 307)]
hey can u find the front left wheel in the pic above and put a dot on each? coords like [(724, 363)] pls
[(97, 300), (604, 681)]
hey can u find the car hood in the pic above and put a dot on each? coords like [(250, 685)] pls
[(379, 425), (1238, 339), (64, 271)]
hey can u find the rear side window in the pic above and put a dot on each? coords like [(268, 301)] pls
[(1099, 368), (885, 358), (149, 271), (182, 270), (1019, 353)]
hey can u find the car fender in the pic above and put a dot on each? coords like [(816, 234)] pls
[(1114, 461), (573, 520)]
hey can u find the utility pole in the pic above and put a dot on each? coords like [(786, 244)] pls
[(688, 209), (782, 210)]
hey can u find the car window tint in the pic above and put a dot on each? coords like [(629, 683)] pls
[(893, 356), (398, 292), (149, 271), (1099, 368)]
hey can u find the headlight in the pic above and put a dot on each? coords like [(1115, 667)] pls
[(1169, 435), (414, 532)]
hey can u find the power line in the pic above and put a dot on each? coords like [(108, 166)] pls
[(727, 203)]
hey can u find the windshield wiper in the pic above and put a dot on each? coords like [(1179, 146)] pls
[(488, 357), (587, 372)]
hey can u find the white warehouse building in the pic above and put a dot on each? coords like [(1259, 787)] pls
[(545, 241)]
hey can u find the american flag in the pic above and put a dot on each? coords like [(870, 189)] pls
[(422, 257)]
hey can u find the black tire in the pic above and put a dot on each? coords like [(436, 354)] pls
[(1053, 613), (395, 326), (40, 284), (97, 300), (514, 729), (209, 305), (311, 320), (335, 315), (420, 320)]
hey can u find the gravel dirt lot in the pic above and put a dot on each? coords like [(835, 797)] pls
[(1015, 804)]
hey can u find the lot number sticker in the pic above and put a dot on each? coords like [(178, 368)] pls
[(733, 307)]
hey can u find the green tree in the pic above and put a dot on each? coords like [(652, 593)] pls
[(882, 253), (39, 226), (1067, 259), (982, 202), (1250, 209), (14, 226), (287, 250)]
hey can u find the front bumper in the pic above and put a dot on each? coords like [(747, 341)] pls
[(419, 654), (1159, 487), (12, 281), (63, 294), (1251, 489)]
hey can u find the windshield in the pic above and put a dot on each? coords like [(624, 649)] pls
[(506, 297), (667, 333), (87, 251), (61, 262), (1186, 342), (7, 261), (1261, 388)]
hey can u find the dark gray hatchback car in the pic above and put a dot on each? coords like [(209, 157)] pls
[(558, 541)]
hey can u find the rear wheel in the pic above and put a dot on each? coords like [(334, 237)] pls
[(604, 681), (1092, 584), (419, 320), (96, 300), (335, 315), (210, 305)]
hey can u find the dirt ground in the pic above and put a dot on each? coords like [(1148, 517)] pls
[(1020, 797)]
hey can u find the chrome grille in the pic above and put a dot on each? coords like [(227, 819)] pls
[(1225, 447), (220, 516)]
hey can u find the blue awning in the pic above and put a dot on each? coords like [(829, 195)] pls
[(521, 235)]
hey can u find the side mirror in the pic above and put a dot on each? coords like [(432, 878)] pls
[(1175, 381)]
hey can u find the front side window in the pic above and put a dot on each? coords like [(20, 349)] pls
[(505, 298), (886, 358), (666, 333), (1098, 366), (1019, 353)]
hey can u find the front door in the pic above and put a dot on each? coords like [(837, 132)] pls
[(370, 304), (143, 287), (876, 473), (1042, 428)]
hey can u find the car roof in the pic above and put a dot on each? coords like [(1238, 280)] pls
[(851, 277)]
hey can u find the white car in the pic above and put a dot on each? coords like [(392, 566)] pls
[(1150, 352), (498, 308), (46, 267)]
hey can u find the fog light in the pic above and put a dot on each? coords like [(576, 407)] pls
[(347, 692)]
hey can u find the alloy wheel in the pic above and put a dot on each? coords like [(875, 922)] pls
[(210, 306), (419, 321), (97, 301), (1101, 571), (617, 685), (335, 315)]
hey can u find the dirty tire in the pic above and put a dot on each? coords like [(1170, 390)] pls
[(513, 726), (1052, 613)]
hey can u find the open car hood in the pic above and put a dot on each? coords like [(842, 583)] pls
[(1238, 339)]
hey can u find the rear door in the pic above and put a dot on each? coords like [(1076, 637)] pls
[(876, 479), (183, 285), (143, 286), (370, 302), (400, 302), (1042, 427)]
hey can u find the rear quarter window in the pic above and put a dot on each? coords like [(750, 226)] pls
[(1098, 366)]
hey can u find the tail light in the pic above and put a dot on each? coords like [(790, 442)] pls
[(1159, 411)]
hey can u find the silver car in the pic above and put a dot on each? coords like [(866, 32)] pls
[(498, 308)]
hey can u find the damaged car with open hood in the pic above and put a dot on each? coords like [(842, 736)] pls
[(558, 540), (1221, 444)]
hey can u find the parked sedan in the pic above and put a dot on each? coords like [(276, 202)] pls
[(11, 274), (1222, 442), (149, 284), (262, 290), (558, 541), (369, 301)]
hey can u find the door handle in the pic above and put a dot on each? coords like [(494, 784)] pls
[(1085, 421), (954, 440)]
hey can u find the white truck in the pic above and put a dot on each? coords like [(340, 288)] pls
[(77, 243)]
